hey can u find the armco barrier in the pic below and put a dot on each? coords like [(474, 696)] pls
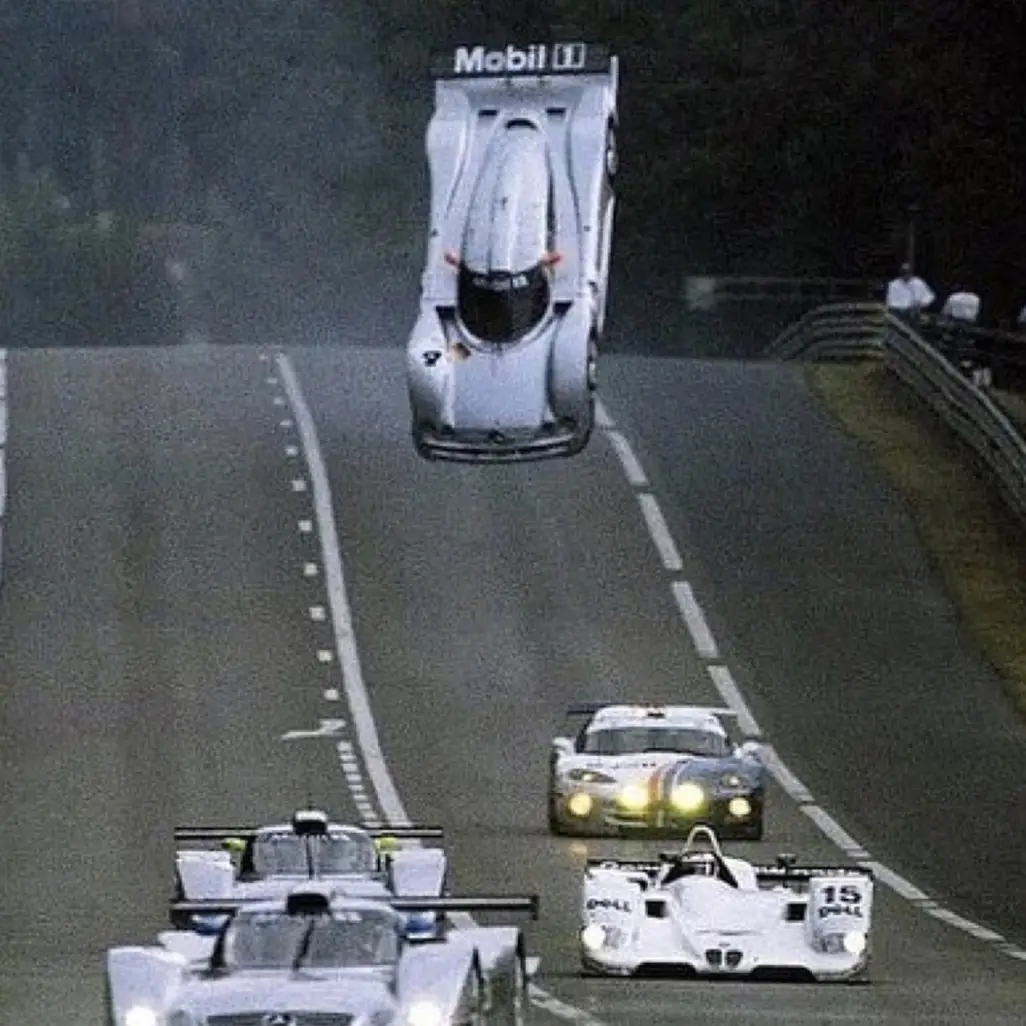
[(852, 331)]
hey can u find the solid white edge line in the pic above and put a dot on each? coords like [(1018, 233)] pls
[(602, 418), (631, 465), (795, 789), (728, 690), (660, 532), (694, 620), (352, 671), (835, 833)]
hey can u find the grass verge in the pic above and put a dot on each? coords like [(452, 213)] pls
[(973, 539)]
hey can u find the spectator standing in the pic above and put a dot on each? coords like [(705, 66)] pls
[(908, 294)]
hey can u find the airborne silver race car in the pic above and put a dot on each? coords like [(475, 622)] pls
[(315, 958), (268, 861), (699, 912), (501, 363)]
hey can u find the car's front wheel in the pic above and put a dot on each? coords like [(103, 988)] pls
[(555, 822)]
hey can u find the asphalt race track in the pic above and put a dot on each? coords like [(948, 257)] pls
[(163, 622)]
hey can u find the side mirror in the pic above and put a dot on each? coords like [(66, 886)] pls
[(562, 746)]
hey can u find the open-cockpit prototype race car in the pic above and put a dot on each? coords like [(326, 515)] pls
[(268, 861), (636, 770), (315, 957), (699, 912), (501, 364)]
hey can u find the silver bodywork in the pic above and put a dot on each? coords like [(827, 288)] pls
[(205, 874), (475, 975), (501, 361), (701, 913)]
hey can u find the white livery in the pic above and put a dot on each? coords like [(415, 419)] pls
[(699, 912), (268, 861), (316, 957), (521, 149)]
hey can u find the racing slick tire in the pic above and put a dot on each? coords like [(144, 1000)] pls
[(556, 827)]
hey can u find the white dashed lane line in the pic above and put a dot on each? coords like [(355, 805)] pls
[(392, 810), (705, 645)]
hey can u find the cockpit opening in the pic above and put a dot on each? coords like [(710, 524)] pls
[(501, 307)]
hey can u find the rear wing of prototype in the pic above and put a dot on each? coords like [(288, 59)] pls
[(590, 708), (527, 904), (538, 60), (224, 833), (764, 874)]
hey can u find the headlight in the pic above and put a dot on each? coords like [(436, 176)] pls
[(586, 776), (687, 797), (593, 936), (732, 780), (739, 807), (424, 1013), (854, 943), (579, 804), (633, 797), (140, 1015)]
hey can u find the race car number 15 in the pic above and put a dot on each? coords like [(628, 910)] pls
[(841, 901)]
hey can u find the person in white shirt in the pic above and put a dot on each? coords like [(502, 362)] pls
[(908, 294), (962, 306)]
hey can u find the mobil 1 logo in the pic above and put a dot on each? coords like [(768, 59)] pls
[(534, 59)]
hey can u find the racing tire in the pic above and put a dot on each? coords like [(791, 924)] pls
[(555, 823)]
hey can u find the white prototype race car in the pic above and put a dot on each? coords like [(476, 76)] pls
[(699, 912), (501, 364), (268, 861), (318, 958)]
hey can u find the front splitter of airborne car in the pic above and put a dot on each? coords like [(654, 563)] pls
[(605, 819)]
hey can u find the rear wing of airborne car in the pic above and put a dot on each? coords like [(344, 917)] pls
[(537, 60), (654, 709)]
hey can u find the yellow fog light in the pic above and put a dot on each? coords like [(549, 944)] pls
[(633, 797), (687, 797), (579, 804), (739, 807)]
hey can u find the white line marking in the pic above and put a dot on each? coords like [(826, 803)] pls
[(326, 728), (331, 694), (694, 620), (291, 451), (631, 466), (660, 533), (787, 780), (731, 695), (278, 400), (310, 570), (352, 671), (325, 655), (318, 613), (286, 422), (602, 418), (299, 485), (306, 527), (835, 832)]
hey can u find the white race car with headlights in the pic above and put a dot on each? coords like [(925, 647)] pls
[(501, 363), (315, 958), (699, 912), (636, 770)]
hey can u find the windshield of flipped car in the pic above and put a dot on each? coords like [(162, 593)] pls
[(632, 740), (286, 854), (501, 307), (346, 939)]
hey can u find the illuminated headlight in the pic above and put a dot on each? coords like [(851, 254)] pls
[(593, 936), (732, 780), (633, 797), (739, 807), (579, 804), (854, 943), (140, 1015), (687, 797), (587, 776), (424, 1013)]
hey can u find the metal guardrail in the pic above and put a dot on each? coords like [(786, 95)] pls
[(852, 331)]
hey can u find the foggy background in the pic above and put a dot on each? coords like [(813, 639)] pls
[(275, 149)]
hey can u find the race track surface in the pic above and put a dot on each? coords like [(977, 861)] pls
[(158, 635)]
